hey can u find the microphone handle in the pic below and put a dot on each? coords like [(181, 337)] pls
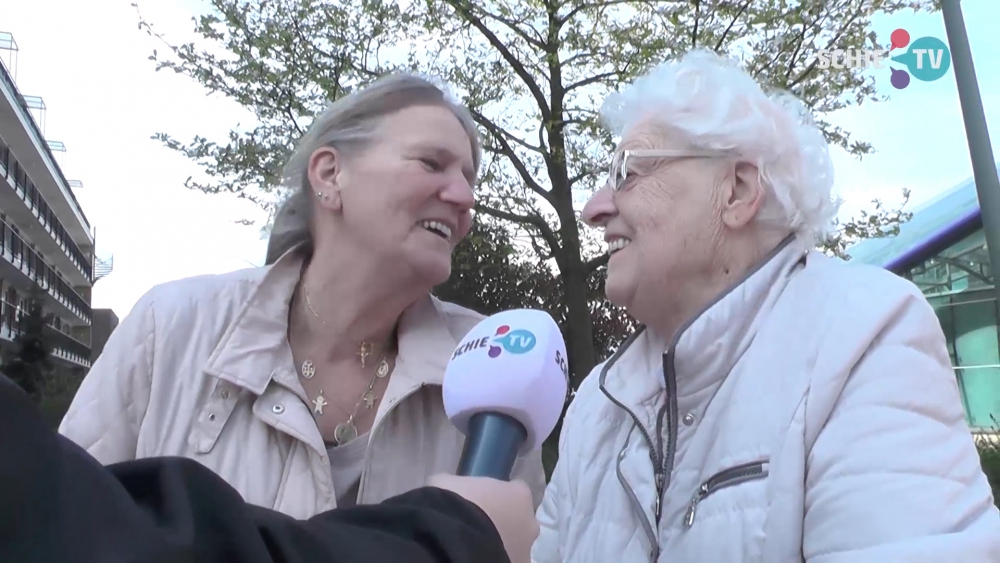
[(491, 446)]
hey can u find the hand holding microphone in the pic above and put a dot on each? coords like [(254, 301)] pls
[(507, 504), (504, 388)]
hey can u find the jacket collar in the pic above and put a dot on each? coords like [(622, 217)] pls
[(254, 349), (707, 347)]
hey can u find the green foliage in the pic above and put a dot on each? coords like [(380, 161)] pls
[(989, 454), (30, 362), (533, 74), (489, 275), (882, 222), (57, 394)]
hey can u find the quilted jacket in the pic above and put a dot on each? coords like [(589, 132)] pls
[(809, 414)]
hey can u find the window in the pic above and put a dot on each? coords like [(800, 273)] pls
[(958, 283)]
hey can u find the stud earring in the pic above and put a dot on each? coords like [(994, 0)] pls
[(322, 195)]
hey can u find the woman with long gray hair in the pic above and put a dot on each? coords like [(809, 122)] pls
[(315, 381)]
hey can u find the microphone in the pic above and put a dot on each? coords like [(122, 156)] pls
[(505, 388)]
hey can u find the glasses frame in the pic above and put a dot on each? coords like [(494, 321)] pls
[(618, 172)]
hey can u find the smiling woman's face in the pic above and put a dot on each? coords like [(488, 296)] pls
[(407, 198), (663, 224)]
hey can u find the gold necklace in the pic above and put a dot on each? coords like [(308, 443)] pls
[(346, 431), (366, 347)]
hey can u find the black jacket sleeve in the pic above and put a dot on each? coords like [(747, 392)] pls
[(58, 504)]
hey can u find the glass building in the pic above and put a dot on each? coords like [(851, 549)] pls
[(942, 249)]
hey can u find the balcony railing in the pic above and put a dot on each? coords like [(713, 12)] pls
[(64, 346), (40, 139), (22, 256), (26, 190)]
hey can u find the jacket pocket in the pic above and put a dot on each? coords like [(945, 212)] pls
[(725, 478)]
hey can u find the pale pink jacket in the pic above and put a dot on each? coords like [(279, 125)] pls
[(201, 368)]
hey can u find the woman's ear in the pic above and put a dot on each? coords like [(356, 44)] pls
[(324, 173), (744, 197)]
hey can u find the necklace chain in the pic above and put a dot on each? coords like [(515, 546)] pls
[(346, 431)]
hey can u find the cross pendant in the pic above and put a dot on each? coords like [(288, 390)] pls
[(364, 353)]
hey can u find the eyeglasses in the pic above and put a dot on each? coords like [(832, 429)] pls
[(620, 163)]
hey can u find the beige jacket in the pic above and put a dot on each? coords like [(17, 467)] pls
[(201, 368)]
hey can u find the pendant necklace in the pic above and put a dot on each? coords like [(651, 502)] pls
[(346, 431)]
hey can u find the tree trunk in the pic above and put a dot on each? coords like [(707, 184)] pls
[(580, 326)]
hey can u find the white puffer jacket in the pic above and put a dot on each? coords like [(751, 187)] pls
[(809, 414)]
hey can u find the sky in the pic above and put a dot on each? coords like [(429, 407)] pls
[(89, 62)]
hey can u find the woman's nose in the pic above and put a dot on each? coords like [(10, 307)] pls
[(600, 208), (459, 193)]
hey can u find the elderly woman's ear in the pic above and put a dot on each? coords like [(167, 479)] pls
[(742, 197)]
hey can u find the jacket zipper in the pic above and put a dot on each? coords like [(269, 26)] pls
[(654, 452), (647, 526), (670, 412), (661, 458), (725, 478)]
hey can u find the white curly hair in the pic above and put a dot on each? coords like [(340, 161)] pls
[(716, 105)]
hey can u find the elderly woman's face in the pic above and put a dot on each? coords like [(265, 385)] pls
[(407, 198), (664, 222)]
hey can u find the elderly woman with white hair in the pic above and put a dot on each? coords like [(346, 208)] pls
[(314, 382), (778, 405)]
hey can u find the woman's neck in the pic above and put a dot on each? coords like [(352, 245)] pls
[(342, 304), (733, 261)]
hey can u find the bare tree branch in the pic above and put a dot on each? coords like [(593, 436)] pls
[(506, 150), (463, 8), (725, 34), (533, 221), (596, 263), (511, 25)]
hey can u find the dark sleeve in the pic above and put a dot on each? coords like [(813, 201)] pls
[(59, 504)]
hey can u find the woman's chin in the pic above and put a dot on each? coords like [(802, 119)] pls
[(617, 290), (432, 270)]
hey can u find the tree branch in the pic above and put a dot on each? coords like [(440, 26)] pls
[(800, 42), (518, 67), (533, 41), (539, 251), (508, 151), (576, 178), (596, 78), (596, 263), (527, 220), (833, 40), (722, 38), (697, 20), (587, 6), (521, 142)]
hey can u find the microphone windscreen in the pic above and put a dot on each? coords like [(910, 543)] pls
[(512, 363)]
